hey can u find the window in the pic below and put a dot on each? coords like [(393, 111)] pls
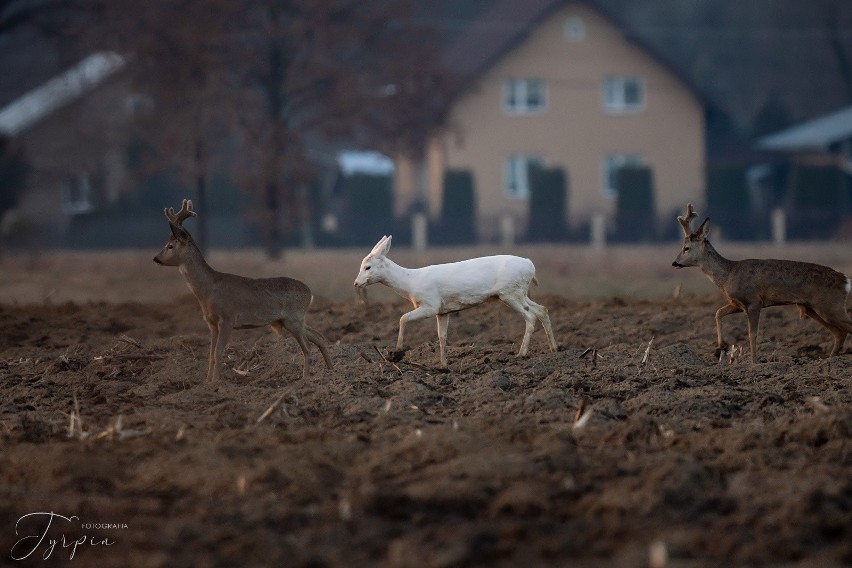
[(612, 164), (525, 96), (76, 196), (622, 94), (517, 175), (575, 29)]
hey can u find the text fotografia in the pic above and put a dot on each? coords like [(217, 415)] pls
[(48, 534)]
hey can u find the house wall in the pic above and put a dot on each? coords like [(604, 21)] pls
[(88, 136), (575, 132)]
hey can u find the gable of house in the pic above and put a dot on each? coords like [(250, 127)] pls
[(564, 85)]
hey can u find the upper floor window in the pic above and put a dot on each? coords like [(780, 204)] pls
[(575, 29), (613, 163), (524, 96), (517, 175), (623, 94)]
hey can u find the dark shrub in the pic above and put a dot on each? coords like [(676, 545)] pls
[(548, 204)]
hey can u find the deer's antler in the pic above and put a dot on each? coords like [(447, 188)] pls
[(686, 221), (182, 215)]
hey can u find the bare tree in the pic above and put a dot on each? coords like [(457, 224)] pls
[(318, 71), (178, 53), (840, 46)]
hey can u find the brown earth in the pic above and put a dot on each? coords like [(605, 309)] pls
[(681, 461)]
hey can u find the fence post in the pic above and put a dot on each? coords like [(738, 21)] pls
[(419, 230), (507, 230), (598, 230), (779, 226)]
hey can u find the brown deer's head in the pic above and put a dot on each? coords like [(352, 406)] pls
[(694, 242), (180, 240)]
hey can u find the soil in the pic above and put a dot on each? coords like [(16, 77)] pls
[(645, 451)]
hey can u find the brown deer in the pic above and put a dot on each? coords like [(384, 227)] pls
[(231, 302), (750, 285)]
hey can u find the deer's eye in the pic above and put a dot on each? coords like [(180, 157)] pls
[(170, 247), (685, 249), (366, 268)]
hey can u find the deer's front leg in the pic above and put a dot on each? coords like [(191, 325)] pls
[(225, 327), (415, 314), (720, 313), (213, 325), (443, 324)]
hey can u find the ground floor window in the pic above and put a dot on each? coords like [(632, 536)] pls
[(614, 162), (516, 175), (76, 195)]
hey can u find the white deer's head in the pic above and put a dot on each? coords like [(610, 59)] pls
[(375, 264)]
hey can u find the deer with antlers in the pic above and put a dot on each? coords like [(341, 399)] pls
[(749, 285), (231, 302)]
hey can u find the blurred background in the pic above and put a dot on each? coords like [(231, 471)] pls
[(328, 123)]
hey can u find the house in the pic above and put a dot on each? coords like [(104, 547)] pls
[(563, 84), (822, 144), (822, 140), (72, 129)]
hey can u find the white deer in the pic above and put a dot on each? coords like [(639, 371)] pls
[(750, 285), (441, 289), (231, 302)]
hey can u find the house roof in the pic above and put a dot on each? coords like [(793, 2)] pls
[(509, 22), (33, 106), (361, 162), (491, 36), (817, 134)]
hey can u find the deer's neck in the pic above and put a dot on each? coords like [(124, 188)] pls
[(715, 266), (399, 278), (198, 274)]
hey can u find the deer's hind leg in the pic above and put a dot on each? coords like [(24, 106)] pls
[(542, 316), (837, 321), (317, 339), (295, 328), (753, 313), (443, 325), (524, 307)]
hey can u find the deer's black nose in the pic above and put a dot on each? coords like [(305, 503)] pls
[(157, 260), (676, 265)]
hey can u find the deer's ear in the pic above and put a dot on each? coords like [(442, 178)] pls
[(377, 247), (704, 229), (179, 232)]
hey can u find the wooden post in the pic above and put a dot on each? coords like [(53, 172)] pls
[(507, 230), (779, 226), (598, 231), (419, 231)]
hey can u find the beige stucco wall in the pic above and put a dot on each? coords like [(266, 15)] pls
[(575, 132)]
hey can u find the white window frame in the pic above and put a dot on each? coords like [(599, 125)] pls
[(516, 176), (517, 94), (615, 93), (612, 163), (76, 195)]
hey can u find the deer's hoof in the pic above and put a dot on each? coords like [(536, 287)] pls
[(397, 355)]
